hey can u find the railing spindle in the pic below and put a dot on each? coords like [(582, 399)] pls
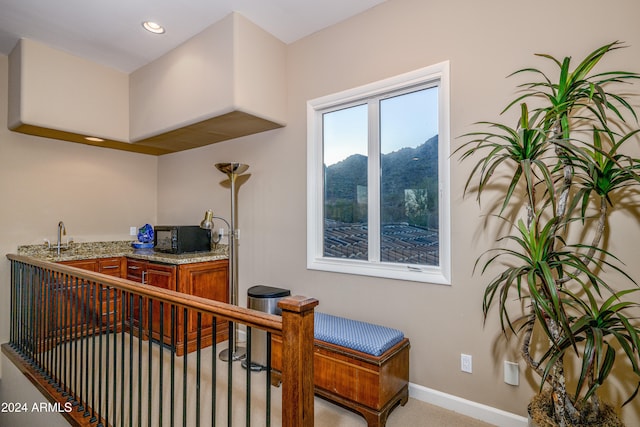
[(29, 318), (232, 345), (59, 322), (268, 382), (214, 367), (117, 296), (198, 364), (83, 334), (161, 363), (185, 318), (66, 296), (104, 405), (128, 296), (112, 329), (172, 404), (248, 386), (140, 315), (75, 324), (150, 362), (94, 417)]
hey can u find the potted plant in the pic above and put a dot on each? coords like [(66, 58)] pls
[(557, 175)]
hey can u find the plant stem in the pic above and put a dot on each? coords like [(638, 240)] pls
[(526, 344), (602, 220)]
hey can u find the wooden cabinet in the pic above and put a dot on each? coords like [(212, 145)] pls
[(81, 307), (207, 280), (84, 307), (204, 279)]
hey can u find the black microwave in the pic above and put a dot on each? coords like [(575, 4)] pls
[(179, 239)]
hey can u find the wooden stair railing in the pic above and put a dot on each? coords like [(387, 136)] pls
[(295, 327)]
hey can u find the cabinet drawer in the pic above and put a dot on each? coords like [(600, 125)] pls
[(85, 264), (110, 266)]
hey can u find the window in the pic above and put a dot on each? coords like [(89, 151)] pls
[(378, 178)]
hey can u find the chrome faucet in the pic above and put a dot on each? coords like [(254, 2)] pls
[(62, 231)]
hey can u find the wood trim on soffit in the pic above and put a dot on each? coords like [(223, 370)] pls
[(221, 128)]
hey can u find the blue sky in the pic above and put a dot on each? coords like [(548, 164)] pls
[(406, 121)]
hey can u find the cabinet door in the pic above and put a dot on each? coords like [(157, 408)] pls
[(161, 276), (136, 271), (111, 298), (207, 280)]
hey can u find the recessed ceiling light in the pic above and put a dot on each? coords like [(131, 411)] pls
[(153, 27), (93, 139)]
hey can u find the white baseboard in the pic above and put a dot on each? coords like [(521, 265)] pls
[(466, 407)]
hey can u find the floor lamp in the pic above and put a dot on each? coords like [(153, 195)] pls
[(233, 170)]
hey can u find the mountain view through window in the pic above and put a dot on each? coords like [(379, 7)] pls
[(408, 180)]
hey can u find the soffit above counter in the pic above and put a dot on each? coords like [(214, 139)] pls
[(217, 129), (224, 83)]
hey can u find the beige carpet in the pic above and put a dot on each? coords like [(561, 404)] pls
[(414, 414), (161, 397)]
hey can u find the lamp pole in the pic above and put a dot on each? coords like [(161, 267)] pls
[(233, 170)]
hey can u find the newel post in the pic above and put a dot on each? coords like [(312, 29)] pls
[(297, 361)]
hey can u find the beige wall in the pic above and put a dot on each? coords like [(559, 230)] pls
[(98, 192), (484, 42)]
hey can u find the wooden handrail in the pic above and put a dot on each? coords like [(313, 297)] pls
[(249, 317)]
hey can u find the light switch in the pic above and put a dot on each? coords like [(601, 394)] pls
[(511, 373)]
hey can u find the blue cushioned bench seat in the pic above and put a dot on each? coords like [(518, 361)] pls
[(360, 366), (356, 335)]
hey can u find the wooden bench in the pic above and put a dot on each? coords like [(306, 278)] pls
[(367, 384)]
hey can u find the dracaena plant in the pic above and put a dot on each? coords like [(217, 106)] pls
[(562, 167)]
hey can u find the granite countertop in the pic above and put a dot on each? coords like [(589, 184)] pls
[(90, 250)]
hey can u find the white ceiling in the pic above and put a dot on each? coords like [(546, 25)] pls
[(109, 32)]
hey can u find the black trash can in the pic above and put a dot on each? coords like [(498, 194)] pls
[(262, 298)]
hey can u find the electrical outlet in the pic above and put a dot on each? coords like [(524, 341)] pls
[(133, 231), (466, 363)]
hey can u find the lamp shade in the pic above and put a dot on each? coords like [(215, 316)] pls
[(207, 222), (232, 168)]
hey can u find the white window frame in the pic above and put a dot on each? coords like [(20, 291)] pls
[(438, 75)]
